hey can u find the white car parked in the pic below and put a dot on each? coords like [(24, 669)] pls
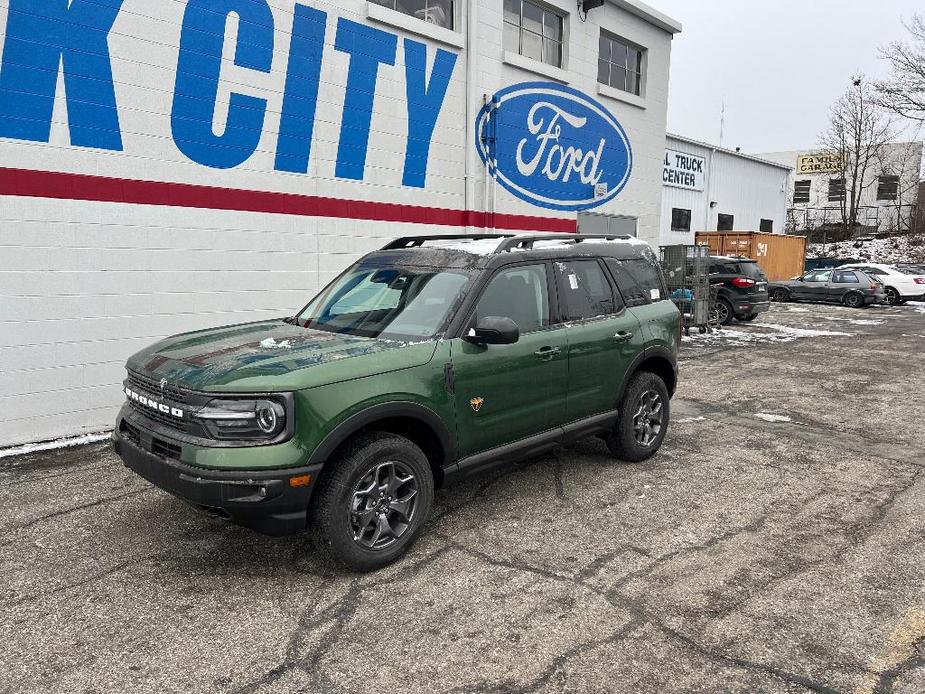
[(901, 285)]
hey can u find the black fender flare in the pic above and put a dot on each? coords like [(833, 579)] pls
[(650, 352), (362, 419)]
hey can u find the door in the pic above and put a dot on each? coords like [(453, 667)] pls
[(603, 338), (505, 393), (815, 286), (842, 282)]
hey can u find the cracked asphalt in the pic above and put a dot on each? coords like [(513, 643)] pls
[(753, 554)]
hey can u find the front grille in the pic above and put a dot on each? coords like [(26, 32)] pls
[(159, 417), (152, 386), (167, 450)]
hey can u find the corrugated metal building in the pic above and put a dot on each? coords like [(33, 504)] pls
[(708, 188), (170, 166)]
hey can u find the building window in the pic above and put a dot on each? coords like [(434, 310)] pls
[(836, 189), (533, 31), (680, 220), (801, 191), (725, 222), (619, 65), (767, 226), (888, 188), (439, 12)]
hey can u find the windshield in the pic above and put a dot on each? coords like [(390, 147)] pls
[(399, 303)]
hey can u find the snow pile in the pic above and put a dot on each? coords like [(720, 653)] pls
[(764, 416), (738, 338), (896, 249), (270, 343), (53, 445)]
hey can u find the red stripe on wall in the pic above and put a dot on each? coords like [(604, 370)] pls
[(71, 186)]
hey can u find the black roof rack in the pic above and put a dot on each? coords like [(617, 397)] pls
[(417, 241), (526, 242), (506, 242)]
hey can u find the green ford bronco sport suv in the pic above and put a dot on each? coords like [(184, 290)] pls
[(424, 363)]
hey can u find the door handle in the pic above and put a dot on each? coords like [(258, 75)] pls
[(546, 352), (623, 336)]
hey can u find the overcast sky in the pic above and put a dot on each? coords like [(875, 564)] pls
[(778, 65)]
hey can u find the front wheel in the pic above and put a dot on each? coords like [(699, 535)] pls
[(373, 502), (892, 297), (643, 419)]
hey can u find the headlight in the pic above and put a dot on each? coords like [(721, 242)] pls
[(244, 419)]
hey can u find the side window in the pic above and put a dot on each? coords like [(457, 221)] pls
[(519, 293), (846, 277), (820, 276), (585, 290), (638, 281)]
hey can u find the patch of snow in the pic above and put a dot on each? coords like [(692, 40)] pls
[(792, 309), (856, 321), (772, 417), (472, 246), (270, 343), (907, 248), (688, 420), (801, 332), (69, 442)]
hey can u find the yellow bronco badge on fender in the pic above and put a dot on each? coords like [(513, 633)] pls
[(476, 403)]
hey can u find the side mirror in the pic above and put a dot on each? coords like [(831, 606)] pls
[(494, 330)]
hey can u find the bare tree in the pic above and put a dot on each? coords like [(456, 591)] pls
[(904, 92), (858, 129)]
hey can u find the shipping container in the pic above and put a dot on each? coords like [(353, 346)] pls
[(781, 257)]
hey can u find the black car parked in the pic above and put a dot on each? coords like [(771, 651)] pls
[(742, 289)]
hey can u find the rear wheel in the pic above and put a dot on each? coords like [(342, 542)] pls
[(722, 312), (749, 318), (643, 419), (854, 300), (371, 505), (780, 294)]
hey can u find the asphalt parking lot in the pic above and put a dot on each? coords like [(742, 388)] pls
[(776, 544)]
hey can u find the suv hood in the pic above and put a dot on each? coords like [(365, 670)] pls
[(273, 356)]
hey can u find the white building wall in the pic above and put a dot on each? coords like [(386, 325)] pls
[(84, 284), (740, 185), (903, 159)]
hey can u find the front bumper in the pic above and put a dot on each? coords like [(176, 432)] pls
[(263, 500)]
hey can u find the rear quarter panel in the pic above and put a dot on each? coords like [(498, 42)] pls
[(661, 325)]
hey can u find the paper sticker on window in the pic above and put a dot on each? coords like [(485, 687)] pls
[(655, 294), (573, 281)]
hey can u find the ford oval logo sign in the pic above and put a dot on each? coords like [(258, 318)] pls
[(553, 146)]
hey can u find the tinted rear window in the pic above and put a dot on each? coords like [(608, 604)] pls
[(752, 270), (639, 281)]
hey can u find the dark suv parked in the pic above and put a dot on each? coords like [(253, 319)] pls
[(742, 289), (424, 363)]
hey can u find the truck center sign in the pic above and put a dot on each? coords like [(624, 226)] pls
[(683, 170)]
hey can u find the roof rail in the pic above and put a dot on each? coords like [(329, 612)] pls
[(417, 241), (526, 242)]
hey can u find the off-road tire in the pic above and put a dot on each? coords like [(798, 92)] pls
[(621, 440), (329, 514)]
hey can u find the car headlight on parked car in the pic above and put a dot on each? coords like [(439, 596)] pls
[(245, 418)]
